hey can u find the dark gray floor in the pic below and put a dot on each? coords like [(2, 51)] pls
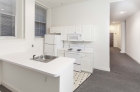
[(3, 89), (124, 76)]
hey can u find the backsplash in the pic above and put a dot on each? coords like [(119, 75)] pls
[(88, 44)]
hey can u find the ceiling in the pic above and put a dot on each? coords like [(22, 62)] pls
[(57, 3), (127, 7)]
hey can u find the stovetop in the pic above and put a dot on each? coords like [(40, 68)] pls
[(74, 50)]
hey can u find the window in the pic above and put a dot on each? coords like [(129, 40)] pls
[(40, 21), (7, 17)]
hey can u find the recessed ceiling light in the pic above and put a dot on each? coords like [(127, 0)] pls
[(2, 9), (121, 12), (113, 22)]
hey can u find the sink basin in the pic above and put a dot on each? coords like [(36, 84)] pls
[(45, 58)]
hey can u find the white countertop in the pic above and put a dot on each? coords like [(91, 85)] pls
[(54, 68), (89, 50)]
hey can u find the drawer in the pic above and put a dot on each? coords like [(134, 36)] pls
[(77, 68), (85, 55)]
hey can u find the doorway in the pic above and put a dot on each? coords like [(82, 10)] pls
[(111, 40)]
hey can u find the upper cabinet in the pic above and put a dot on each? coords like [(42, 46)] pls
[(71, 29), (88, 33), (79, 29), (55, 30), (75, 29), (64, 33)]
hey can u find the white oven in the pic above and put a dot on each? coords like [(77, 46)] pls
[(77, 57), (75, 37)]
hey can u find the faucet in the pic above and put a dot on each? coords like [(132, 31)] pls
[(34, 56)]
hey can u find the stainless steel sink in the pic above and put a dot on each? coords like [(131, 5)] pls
[(45, 58)]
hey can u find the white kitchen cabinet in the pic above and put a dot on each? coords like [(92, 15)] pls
[(61, 53), (71, 29), (64, 33), (79, 29), (88, 33), (55, 30), (85, 30), (75, 29), (87, 62)]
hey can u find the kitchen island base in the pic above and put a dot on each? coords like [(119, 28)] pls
[(20, 79)]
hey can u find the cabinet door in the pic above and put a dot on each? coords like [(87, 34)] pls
[(79, 29), (86, 65), (57, 29), (71, 29), (88, 33), (52, 30), (64, 35)]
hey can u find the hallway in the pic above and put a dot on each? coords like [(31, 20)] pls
[(124, 76)]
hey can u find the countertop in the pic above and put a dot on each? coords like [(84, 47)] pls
[(54, 68), (88, 50)]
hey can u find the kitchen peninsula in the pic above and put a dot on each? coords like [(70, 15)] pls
[(21, 74)]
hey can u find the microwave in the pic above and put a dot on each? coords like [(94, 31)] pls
[(75, 37)]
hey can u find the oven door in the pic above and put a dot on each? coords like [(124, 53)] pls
[(77, 57)]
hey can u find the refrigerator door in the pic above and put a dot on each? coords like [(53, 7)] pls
[(50, 39), (49, 49)]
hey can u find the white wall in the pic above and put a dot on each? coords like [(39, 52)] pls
[(8, 46), (123, 37), (0, 72), (133, 36), (12, 46), (119, 36), (95, 12), (30, 27)]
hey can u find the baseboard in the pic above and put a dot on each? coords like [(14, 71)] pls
[(133, 58), (103, 69), (10, 87)]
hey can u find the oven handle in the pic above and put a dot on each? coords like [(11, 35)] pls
[(73, 53)]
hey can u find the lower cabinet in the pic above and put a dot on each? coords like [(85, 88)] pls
[(86, 62), (86, 65)]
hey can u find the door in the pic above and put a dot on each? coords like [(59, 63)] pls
[(111, 39), (76, 56)]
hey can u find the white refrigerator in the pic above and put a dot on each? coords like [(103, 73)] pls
[(52, 43)]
